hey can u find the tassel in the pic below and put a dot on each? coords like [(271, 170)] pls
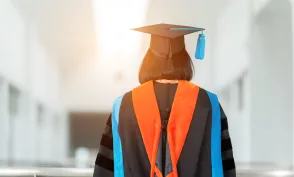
[(200, 47)]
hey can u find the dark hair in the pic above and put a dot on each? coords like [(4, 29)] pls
[(179, 67)]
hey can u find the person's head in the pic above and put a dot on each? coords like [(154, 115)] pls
[(177, 67), (167, 57)]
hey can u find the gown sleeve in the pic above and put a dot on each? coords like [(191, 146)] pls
[(104, 161), (229, 167)]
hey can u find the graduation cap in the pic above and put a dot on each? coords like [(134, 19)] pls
[(168, 40)]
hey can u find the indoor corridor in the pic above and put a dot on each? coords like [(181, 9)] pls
[(64, 62)]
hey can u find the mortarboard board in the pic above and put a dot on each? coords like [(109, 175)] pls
[(168, 40)]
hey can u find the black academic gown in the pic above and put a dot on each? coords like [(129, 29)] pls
[(137, 157)]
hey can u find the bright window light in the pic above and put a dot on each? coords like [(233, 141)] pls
[(114, 20)]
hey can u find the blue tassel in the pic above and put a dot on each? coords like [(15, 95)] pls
[(200, 48)]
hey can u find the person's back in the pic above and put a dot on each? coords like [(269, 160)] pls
[(166, 127)]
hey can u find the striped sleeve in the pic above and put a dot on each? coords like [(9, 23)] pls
[(104, 162), (229, 167)]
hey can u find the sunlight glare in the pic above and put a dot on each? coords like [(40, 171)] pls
[(115, 18)]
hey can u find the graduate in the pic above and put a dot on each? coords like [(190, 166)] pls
[(167, 126)]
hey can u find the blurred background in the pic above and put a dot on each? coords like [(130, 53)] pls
[(63, 62)]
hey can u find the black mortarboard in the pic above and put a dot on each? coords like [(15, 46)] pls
[(168, 40)]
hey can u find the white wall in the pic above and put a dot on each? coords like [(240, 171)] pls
[(13, 50), (26, 65), (230, 63), (271, 80), (232, 33), (258, 5), (4, 122), (257, 39)]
